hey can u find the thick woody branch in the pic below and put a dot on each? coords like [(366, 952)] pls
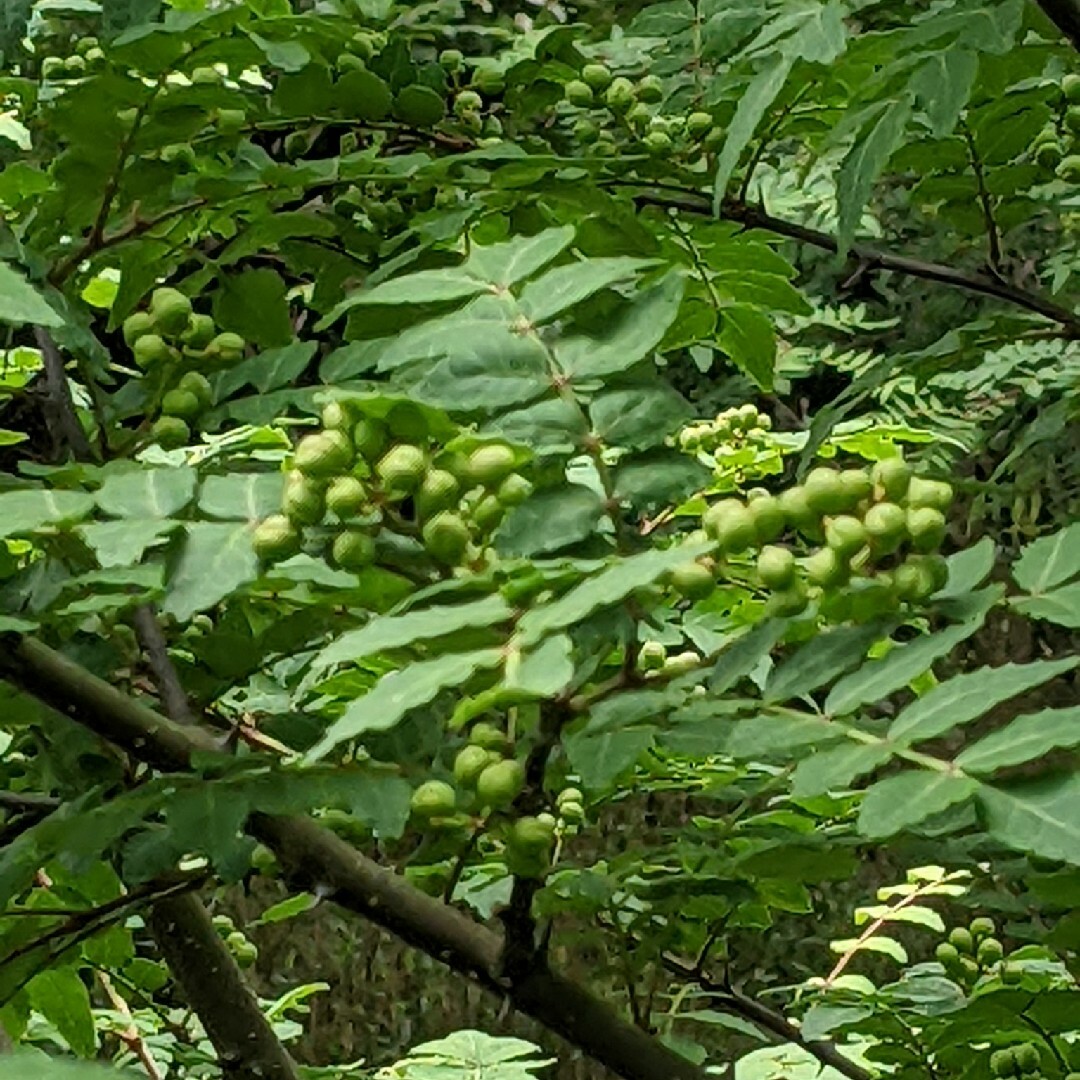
[(315, 858), (1065, 15)]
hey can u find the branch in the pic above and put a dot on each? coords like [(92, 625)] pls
[(1065, 15), (315, 859), (174, 700), (68, 427), (753, 217), (993, 234), (130, 1036)]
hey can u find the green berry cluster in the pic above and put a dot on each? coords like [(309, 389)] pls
[(170, 334), (654, 661), (244, 950), (734, 428), (878, 530), (1023, 1059), (973, 951), (1055, 146), (362, 473), (85, 58), (601, 107)]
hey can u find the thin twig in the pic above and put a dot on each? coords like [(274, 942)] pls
[(130, 1035), (993, 236), (59, 396)]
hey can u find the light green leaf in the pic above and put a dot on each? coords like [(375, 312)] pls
[(1049, 561), (216, 560), (423, 287), (20, 302), (879, 943), (1025, 739), (26, 511), (62, 998), (599, 760), (966, 697), (1041, 817), (1061, 606), (241, 496), (914, 914), (877, 679), (864, 162), (549, 521), (14, 131), (639, 416), (287, 909), (638, 333), (545, 670), (835, 769), (902, 801), (514, 260), (942, 86), (610, 586), (398, 631), (754, 101), (123, 543), (565, 286), (396, 694), (147, 493), (969, 568), (747, 336), (822, 659), (553, 425), (740, 658)]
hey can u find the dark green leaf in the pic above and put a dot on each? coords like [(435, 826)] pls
[(902, 801), (746, 335), (20, 302), (1023, 740), (253, 305), (638, 417), (550, 520), (215, 561)]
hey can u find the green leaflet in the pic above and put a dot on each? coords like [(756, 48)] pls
[(1025, 739), (514, 260), (559, 289), (876, 679), (146, 493), (747, 336), (394, 695), (215, 561), (549, 521), (24, 512), (241, 496), (1041, 817), (60, 995), (1049, 561), (902, 801), (398, 631), (423, 287), (123, 543), (21, 303), (1061, 606), (966, 697), (608, 587), (836, 768)]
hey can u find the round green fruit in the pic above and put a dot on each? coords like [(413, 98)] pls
[(1069, 169), (401, 469), (500, 783), (892, 476), (926, 526), (136, 326), (490, 465), (1027, 1058), (597, 76), (199, 331), (488, 513), (981, 927), (825, 491), (571, 811), (947, 954), (420, 106), (230, 121), (346, 497), (205, 76), (1011, 974), (1070, 87), (790, 601), (75, 66), (914, 581), (470, 762), (857, 485), (569, 794), (845, 535), (337, 416), (578, 93), (353, 549), (302, 500), (193, 382), (488, 736), (933, 493), (962, 939), (619, 96), (698, 123), (446, 538), (451, 60), (826, 568), (275, 538), (514, 490), (650, 89), (776, 567), (226, 347), (1049, 155), (990, 952), (170, 310), (369, 438), (438, 491), (170, 432), (532, 834), (886, 525), (151, 349), (798, 512), (433, 798), (181, 403), (731, 524), (1002, 1063), (52, 67), (657, 142), (468, 101), (651, 656), (639, 116), (693, 581), (324, 454), (769, 517)]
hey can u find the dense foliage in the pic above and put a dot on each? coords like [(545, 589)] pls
[(593, 490)]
